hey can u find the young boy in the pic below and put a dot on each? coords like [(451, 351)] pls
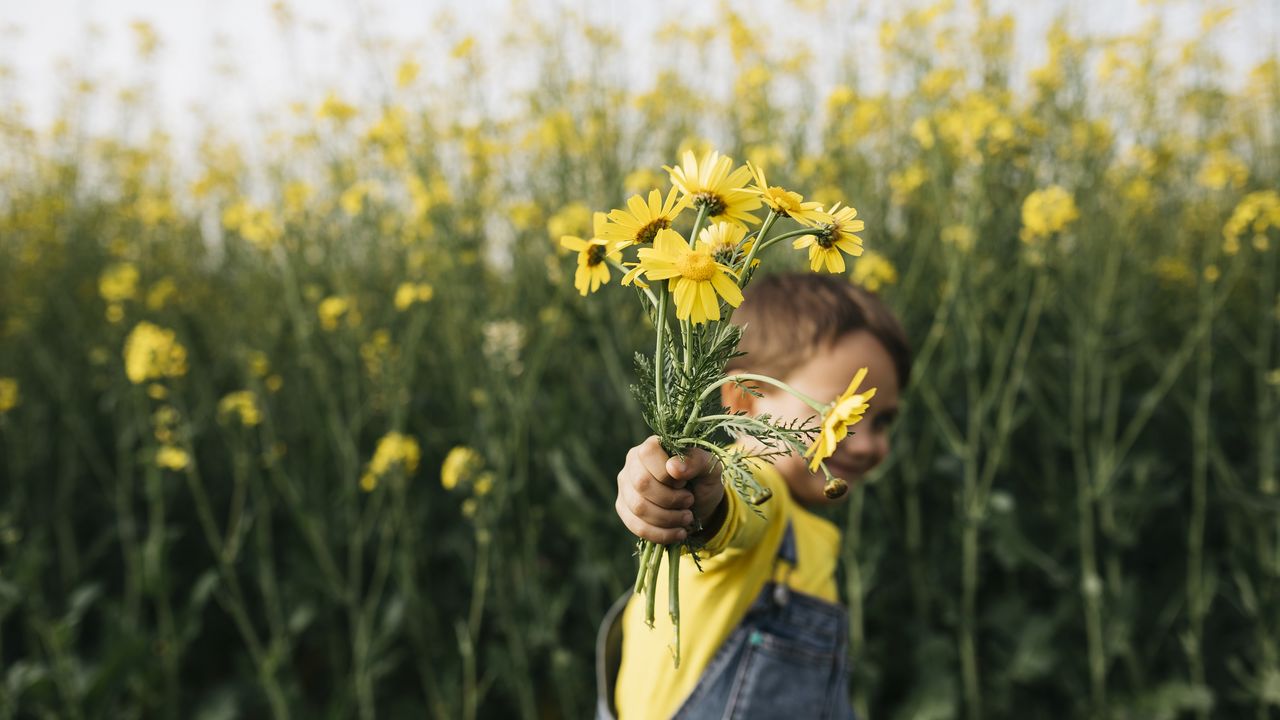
[(763, 635)]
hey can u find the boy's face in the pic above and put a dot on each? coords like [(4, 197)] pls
[(826, 374)]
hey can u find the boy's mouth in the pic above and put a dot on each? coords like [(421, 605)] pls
[(844, 470)]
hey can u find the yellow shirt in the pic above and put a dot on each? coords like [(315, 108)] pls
[(736, 564)]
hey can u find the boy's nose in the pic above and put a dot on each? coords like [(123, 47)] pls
[(860, 444)]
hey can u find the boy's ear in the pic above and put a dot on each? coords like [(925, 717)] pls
[(733, 397)]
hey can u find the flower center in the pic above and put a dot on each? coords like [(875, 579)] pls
[(696, 265), (826, 235), (595, 255), (784, 201), (650, 231), (714, 204)]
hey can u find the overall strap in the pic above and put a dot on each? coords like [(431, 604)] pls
[(787, 558)]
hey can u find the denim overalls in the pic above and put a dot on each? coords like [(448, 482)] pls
[(785, 660)]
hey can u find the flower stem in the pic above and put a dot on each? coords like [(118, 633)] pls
[(756, 248), (673, 595), (659, 354), (738, 377), (778, 238)]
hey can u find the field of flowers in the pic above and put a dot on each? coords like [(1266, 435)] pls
[(321, 427)]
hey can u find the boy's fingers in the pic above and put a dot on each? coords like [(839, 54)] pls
[(694, 464), (645, 531), (654, 515), (662, 495), (654, 459)]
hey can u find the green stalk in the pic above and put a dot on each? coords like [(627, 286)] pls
[(854, 591), (756, 248), (646, 549), (659, 355), (651, 585), (1197, 598), (673, 595), (784, 236)]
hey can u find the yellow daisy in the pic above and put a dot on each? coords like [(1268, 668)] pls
[(835, 230), (722, 239), (593, 271), (709, 183), (641, 221), (694, 277), (783, 201), (845, 411)]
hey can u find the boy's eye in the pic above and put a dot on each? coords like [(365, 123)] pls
[(884, 420)]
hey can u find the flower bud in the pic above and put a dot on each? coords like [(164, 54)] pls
[(835, 487)]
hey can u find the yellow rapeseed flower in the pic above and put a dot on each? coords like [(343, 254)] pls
[(407, 73), (1046, 212), (160, 293), (834, 234), (118, 282), (780, 200), (1222, 169), (409, 293), (572, 219), (593, 270), (874, 271), (847, 410), (460, 465), (708, 183), (170, 457), (242, 404), (333, 108), (394, 450), (694, 277), (1173, 271), (641, 221), (152, 352), (959, 236), (9, 396), (331, 309), (904, 183), (1256, 213)]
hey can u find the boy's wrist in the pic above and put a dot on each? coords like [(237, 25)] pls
[(711, 525)]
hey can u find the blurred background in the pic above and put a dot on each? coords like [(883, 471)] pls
[(301, 415)]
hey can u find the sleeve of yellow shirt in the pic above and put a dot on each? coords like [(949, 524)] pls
[(745, 524)]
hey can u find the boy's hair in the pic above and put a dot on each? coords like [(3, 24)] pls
[(787, 316)]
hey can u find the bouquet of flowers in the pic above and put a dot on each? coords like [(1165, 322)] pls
[(690, 284)]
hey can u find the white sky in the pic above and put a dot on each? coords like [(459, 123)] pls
[(44, 42)]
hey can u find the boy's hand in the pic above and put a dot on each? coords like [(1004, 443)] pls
[(659, 496)]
